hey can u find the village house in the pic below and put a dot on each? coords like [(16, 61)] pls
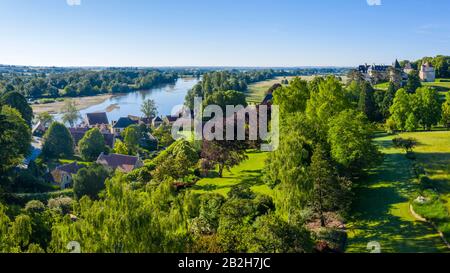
[(156, 122), (427, 72), (170, 120), (123, 163), (79, 132), (120, 126), (62, 175), (96, 119), (39, 129), (408, 68)]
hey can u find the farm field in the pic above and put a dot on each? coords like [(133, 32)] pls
[(248, 172), (257, 91), (381, 212)]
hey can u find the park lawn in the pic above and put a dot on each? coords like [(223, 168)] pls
[(433, 152), (248, 172), (381, 211), (442, 85)]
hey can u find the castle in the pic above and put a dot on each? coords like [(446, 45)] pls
[(379, 73), (427, 72)]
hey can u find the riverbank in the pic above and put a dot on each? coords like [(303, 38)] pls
[(81, 103)]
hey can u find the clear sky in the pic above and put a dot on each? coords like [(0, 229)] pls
[(221, 32)]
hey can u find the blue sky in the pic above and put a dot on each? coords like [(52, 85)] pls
[(221, 32)]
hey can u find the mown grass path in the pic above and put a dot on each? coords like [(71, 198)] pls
[(381, 212)]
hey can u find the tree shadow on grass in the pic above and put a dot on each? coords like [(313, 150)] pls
[(381, 212)]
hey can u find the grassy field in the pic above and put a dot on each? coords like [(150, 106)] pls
[(381, 211), (442, 85), (257, 91), (248, 172)]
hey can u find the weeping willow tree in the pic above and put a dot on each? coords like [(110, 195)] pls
[(126, 220)]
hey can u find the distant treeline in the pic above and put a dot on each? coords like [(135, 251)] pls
[(239, 80), (83, 82)]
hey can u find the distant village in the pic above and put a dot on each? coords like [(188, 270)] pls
[(111, 131)]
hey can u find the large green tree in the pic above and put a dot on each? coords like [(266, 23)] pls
[(58, 142), (367, 102), (92, 145), (426, 107), (350, 139), (400, 109), (132, 135), (19, 102), (90, 181), (15, 138), (292, 98), (413, 82)]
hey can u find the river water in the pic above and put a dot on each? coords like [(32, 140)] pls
[(168, 98)]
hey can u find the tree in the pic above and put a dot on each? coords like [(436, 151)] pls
[(225, 154), (92, 145), (20, 231), (388, 100), (149, 109), (285, 170), (164, 135), (19, 102), (274, 235), (327, 102), (90, 181), (45, 118), (350, 139), (413, 82), (400, 109), (224, 98), (367, 102), (292, 98), (411, 123), (446, 111), (120, 147), (71, 114), (176, 161), (132, 136), (323, 177), (58, 142), (426, 107), (15, 139)]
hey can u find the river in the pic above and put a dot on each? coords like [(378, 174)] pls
[(167, 98)]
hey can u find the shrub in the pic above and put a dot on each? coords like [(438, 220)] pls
[(407, 144)]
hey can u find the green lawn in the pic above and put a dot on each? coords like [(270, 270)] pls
[(381, 212), (248, 172), (442, 85), (433, 152)]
